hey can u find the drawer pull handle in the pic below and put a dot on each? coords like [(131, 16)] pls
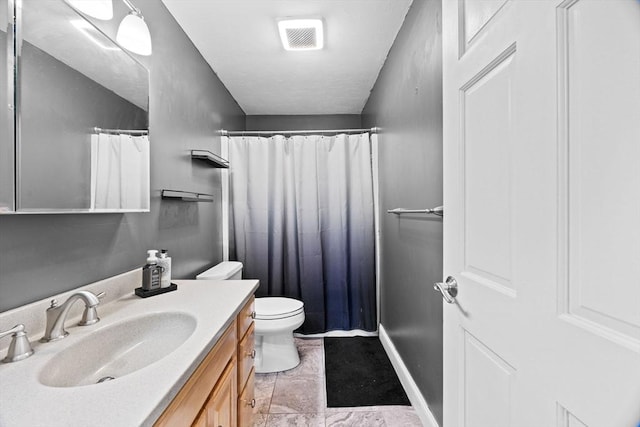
[(252, 354), (251, 403), (253, 314)]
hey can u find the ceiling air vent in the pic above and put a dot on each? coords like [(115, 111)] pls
[(301, 34)]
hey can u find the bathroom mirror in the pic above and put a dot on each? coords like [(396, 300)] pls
[(82, 116)]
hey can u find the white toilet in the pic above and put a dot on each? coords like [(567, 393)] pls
[(276, 319)]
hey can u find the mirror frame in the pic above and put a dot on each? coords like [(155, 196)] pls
[(9, 85)]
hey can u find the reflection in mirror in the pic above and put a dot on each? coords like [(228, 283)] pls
[(6, 114), (73, 79)]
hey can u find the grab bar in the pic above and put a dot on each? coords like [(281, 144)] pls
[(439, 211)]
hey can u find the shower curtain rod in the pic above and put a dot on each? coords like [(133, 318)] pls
[(122, 131), (298, 132)]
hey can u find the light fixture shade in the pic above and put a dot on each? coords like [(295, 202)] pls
[(133, 34), (99, 9)]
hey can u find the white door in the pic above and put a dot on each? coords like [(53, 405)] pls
[(542, 220)]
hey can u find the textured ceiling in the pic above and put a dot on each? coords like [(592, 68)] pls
[(239, 39)]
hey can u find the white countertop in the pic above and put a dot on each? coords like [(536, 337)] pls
[(134, 399)]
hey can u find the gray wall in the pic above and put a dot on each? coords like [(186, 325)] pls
[(406, 102), (304, 122), (41, 255)]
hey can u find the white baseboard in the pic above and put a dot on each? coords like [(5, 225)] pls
[(410, 387)]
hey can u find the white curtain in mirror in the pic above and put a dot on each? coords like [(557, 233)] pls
[(119, 171)]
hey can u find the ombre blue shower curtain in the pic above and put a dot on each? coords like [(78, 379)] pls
[(302, 221)]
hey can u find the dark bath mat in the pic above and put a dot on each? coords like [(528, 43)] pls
[(359, 373)]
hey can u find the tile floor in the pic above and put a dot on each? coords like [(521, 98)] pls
[(297, 398)]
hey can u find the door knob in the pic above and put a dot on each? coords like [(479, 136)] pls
[(448, 289)]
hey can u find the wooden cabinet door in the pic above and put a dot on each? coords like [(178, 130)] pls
[(201, 421), (195, 394), (220, 409)]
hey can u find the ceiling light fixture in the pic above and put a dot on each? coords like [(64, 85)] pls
[(99, 9), (133, 33), (301, 34)]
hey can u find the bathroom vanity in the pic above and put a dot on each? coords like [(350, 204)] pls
[(220, 392), (180, 358)]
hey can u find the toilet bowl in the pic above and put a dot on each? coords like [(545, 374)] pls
[(276, 319)]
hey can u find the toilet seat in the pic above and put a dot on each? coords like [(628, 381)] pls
[(273, 308)]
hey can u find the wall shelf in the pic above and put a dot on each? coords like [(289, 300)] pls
[(186, 196), (206, 155)]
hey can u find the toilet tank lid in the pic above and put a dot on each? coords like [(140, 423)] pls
[(221, 271)]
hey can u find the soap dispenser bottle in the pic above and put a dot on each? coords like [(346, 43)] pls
[(151, 272), (164, 261)]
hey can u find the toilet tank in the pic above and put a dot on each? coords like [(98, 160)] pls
[(226, 270)]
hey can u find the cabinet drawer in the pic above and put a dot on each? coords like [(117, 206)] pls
[(186, 406), (247, 403), (246, 356), (246, 316)]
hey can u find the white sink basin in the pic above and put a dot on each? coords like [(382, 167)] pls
[(117, 350)]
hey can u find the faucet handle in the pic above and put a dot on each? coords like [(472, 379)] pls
[(20, 347)]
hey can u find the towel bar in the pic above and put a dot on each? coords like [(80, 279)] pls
[(439, 211)]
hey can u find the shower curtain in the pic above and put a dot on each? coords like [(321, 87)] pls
[(302, 221), (119, 171)]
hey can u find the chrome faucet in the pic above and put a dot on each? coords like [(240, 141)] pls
[(57, 314), (20, 347)]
